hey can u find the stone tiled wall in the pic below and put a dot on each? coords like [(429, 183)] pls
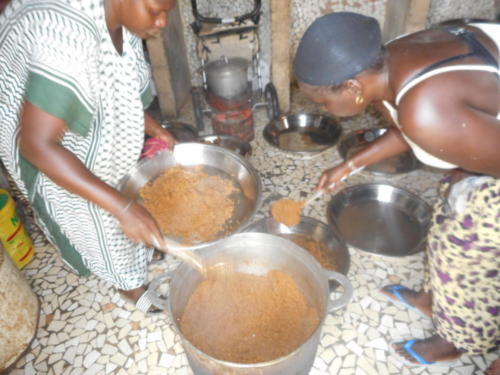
[(225, 8), (442, 10), (305, 11)]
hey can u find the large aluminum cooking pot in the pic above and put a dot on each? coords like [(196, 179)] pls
[(227, 77), (255, 253)]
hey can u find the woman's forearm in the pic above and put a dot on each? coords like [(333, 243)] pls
[(66, 170), (388, 145), (39, 143), (151, 126)]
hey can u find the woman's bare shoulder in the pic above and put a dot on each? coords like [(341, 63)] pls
[(454, 121)]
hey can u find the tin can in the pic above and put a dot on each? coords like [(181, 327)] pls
[(13, 235)]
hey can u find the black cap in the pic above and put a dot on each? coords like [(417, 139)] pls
[(337, 47)]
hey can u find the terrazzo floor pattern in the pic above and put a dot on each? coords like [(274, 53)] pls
[(85, 328)]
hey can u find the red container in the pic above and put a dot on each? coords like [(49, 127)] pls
[(237, 123)]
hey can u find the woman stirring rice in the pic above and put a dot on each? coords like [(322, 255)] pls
[(440, 89), (74, 85)]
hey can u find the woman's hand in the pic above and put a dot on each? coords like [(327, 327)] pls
[(139, 226), (154, 130), (330, 178), (388, 145), (165, 136)]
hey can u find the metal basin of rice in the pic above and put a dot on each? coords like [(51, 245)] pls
[(334, 248), (215, 161)]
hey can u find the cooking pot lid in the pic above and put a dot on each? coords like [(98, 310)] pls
[(226, 64)]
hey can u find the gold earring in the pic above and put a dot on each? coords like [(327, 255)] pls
[(359, 100)]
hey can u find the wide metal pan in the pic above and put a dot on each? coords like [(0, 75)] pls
[(380, 219), (302, 133)]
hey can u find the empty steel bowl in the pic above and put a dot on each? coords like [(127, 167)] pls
[(354, 142), (380, 219), (227, 141), (302, 133), (181, 131), (215, 161)]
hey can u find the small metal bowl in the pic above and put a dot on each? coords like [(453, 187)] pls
[(302, 133), (227, 141), (313, 229), (354, 142), (215, 161), (181, 131), (380, 219)]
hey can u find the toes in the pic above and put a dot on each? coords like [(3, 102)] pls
[(398, 346), (403, 353)]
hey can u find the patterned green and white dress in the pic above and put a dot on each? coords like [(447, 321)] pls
[(59, 56)]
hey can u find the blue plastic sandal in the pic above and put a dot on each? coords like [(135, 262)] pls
[(408, 347), (394, 289)]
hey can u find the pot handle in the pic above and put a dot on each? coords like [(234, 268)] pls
[(348, 290), (154, 289)]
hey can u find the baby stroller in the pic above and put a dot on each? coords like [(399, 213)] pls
[(228, 49)]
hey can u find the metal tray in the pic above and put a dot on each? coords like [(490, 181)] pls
[(380, 219), (354, 142), (302, 133)]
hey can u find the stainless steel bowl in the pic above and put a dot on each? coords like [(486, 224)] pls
[(314, 229), (303, 133), (214, 160), (354, 142), (380, 219), (227, 141), (181, 131)]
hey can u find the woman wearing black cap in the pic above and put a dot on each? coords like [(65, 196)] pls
[(441, 90)]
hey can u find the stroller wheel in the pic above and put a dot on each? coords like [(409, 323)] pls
[(271, 98), (197, 100)]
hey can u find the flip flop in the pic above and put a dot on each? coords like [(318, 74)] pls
[(408, 347), (395, 290)]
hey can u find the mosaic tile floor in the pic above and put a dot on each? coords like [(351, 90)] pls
[(85, 328)]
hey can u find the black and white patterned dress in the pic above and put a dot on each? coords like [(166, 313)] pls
[(59, 56)]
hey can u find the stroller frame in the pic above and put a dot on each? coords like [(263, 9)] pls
[(218, 38)]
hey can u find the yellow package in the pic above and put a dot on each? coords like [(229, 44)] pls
[(14, 238)]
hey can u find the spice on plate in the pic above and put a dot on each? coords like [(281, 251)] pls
[(287, 211)]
